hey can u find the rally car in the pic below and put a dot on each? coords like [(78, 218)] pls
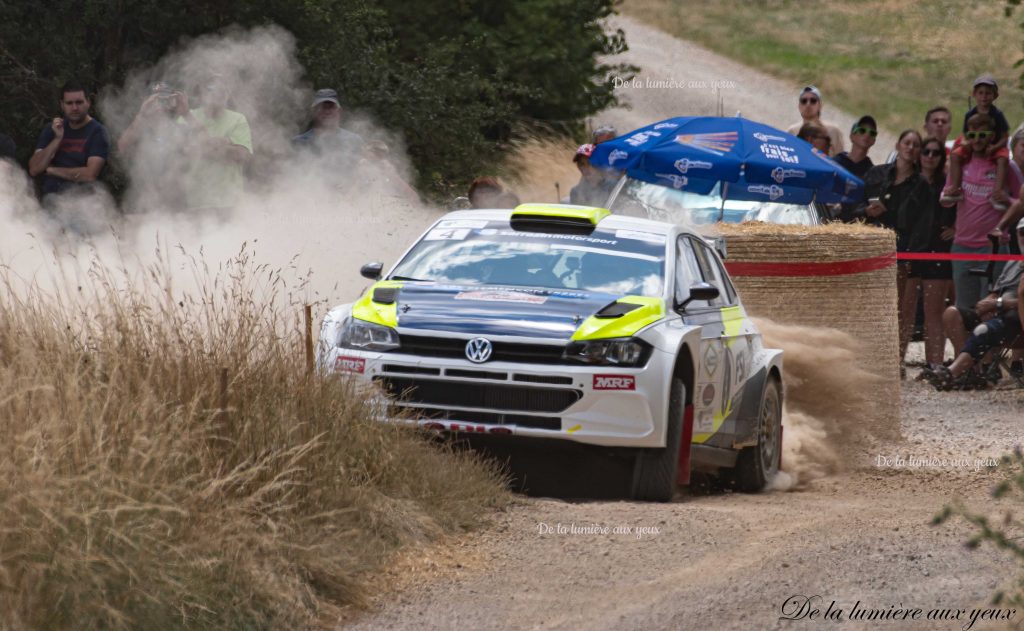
[(569, 323)]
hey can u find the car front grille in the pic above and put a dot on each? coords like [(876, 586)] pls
[(426, 346), (487, 396), (490, 418)]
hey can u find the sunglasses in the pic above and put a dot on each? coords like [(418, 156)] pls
[(931, 153), (979, 135), (865, 130), (808, 101)]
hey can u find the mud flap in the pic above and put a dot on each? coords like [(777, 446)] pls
[(684, 447)]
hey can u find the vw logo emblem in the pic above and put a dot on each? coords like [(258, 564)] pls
[(478, 350)]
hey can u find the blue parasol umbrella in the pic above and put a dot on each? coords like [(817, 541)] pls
[(752, 160)]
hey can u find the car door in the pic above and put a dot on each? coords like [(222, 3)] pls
[(725, 345)]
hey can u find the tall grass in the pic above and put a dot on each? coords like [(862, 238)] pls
[(134, 494)]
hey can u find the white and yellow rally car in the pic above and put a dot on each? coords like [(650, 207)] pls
[(569, 323)]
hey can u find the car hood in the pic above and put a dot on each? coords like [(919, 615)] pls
[(494, 310)]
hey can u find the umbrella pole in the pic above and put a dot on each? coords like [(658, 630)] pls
[(721, 208)]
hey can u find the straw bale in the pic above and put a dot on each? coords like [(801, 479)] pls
[(862, 305)]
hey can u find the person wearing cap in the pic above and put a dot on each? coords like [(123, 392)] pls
[(221, 146), (985, 91), (809, 104), (994, 320), (325, 135), (603, 133), (593, 188), (862, 138), (856, 161)]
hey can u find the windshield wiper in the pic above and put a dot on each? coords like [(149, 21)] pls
[(409, 278)]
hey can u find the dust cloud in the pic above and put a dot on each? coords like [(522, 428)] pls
[(827, 400), (315, 217)]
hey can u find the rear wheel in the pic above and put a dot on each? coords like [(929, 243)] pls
[(757, 465), (656, 471)]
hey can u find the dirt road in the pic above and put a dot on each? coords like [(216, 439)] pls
[(721, 560), (731, 561)]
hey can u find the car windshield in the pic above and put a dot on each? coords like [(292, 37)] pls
[(642, 199), (470, 252)]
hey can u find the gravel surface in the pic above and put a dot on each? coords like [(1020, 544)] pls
[(722, 560)]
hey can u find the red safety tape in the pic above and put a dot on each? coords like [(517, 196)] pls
[(830, 268), (945, 256)]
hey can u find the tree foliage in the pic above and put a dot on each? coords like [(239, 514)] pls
[(455, 79)]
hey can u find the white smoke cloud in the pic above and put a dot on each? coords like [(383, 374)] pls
[(299, 212)]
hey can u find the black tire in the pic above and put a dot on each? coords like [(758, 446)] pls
[(757, 465), (657, 470)]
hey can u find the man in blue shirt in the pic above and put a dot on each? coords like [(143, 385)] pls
[(72, 149)]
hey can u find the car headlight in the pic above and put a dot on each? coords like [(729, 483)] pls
[(611, 352), (367, 336)]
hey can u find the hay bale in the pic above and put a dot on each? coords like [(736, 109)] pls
[(860, 304)]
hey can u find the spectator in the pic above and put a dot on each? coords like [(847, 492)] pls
[(992, 321), (325, 135), (484, 192), (937, 122), (936, 277), (862, 138), (985, 93), (72, 149), (222, 144), (810, 111), (817, 135), (856, 161), (1017, 210), (593, 188), (155, 143), (603, 133), (897, 199), (976, 217)]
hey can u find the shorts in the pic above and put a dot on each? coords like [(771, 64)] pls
[(931, 270), (964, 152), (992, 333)]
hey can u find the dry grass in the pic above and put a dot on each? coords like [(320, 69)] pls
[(133, 499), (894, 59)]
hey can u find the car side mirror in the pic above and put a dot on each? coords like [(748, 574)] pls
[(699, 291), (372, 270)]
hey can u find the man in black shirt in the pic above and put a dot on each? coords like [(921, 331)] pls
[(856, 161), (72, 149)]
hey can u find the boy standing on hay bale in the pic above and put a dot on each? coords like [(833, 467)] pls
[(977, 216)]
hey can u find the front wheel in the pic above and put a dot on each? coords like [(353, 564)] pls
[(657, 470), (757, 465)]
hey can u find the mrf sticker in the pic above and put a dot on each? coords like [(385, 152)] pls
[(350, 364), (614, 382)]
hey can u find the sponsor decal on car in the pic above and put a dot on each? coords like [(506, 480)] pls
[(350, 364), (614, 382), (463, 223), (708, 396), (447, 234), (501, 296)]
